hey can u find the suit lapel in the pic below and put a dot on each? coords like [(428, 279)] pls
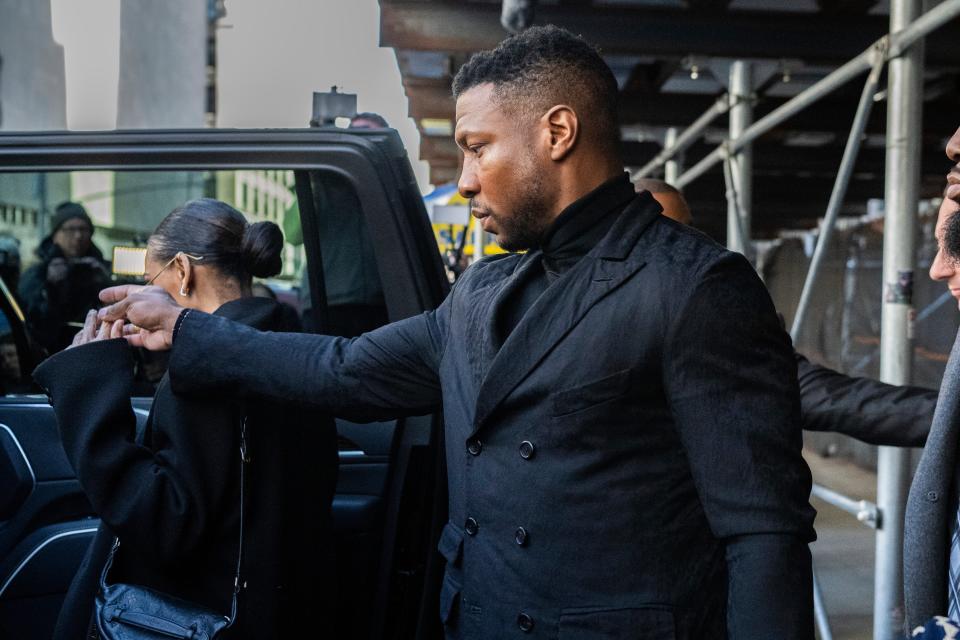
[(562, 305), (492, 340)]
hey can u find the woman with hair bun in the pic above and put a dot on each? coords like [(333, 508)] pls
[(171, 495)]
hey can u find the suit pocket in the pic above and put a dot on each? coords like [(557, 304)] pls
[(451, 544), (591, 394), (449, 595), (594, 623)]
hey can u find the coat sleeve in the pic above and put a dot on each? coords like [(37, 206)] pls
[(862, 408), (382, 374), (162, 501), (731, 381)]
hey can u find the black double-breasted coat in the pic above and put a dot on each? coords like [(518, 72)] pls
[(174, 500), (626, 464)]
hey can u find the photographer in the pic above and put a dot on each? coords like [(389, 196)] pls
[(63, 285)]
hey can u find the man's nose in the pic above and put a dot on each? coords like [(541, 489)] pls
[(953, 147), (941, 268), (467, 184)]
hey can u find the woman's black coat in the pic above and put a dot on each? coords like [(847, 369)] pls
[(174, 502)]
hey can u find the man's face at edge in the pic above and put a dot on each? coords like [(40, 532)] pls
[(503, 175), (946, 267)]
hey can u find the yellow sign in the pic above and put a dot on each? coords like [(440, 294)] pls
[(449, 235)]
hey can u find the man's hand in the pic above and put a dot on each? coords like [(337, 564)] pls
[(150, 309)]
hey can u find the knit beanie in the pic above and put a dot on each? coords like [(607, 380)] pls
[(67, 211)]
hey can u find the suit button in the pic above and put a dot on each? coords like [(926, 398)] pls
[(526, 450), (474, 447), (525, 623), (520, 536), (932, 496), (471, 526)]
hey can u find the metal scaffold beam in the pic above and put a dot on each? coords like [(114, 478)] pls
[(896, 43)]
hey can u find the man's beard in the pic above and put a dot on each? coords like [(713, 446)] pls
[(524, 228)]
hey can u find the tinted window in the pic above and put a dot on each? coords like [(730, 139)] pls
[(55, 277)]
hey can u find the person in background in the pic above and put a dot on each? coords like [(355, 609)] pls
[(10, 262), (368, 120), (863, 408), (670, 198), (63, 285), (10, 274), (172, 494)]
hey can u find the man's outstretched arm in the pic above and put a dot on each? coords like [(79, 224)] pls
[(869, 410), (382, 374)]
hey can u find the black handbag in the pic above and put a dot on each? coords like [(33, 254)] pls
[(134, 612)]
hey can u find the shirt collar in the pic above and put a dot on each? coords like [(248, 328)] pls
[(581, 225)]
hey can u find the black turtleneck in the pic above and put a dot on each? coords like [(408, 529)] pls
[(571, 236)]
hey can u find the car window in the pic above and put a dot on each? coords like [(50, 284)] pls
[(54, 264), (353, 298)]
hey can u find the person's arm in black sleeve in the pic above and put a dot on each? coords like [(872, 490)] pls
[(731, 381), (164, 501), (32, 290), (382, 374), (868, 410)]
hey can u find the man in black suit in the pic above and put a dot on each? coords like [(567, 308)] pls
[(620, 401)]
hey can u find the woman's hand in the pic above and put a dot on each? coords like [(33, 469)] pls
[(90, 332)]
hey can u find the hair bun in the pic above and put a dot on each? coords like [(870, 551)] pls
[(262, 248)]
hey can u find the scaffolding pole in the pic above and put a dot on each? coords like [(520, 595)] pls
[(479, 241), (741, 117), (820, 611), (838, 194), (894, 43), (904, 111), (685, 139), (673, 166)]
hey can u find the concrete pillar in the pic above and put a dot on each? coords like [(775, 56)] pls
[(163, 77)]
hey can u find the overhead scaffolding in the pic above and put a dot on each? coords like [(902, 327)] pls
[(894, 44), (902, 51)]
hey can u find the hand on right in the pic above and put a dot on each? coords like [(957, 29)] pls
[(150, 310)]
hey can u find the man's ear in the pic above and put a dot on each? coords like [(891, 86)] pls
[(564, 130)]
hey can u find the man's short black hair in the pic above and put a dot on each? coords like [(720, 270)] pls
[(545, 66), (951, 238)]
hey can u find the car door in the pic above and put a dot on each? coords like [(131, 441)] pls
[(390, 499)]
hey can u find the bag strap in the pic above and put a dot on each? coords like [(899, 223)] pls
[(244, 461)]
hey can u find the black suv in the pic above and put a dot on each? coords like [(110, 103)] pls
[(391, 495)]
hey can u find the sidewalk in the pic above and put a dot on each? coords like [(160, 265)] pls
[(843, 555)]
